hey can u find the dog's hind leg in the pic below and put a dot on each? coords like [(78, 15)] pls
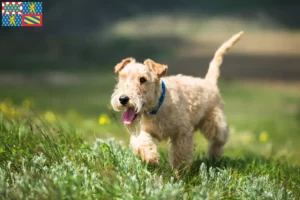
[(214, 128)]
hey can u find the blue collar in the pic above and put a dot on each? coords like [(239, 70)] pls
[(161, 99)]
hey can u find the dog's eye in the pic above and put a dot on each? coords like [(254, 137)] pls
[(142, 80)]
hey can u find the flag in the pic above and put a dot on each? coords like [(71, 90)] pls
[(22, 14), (12, 8), (12, 20), (31, 20), (32, 7)]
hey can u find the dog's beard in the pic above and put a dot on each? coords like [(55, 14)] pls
[(135, 103), (138, 105), (115, 102)]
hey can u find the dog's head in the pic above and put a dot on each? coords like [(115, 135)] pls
[(138, 88)]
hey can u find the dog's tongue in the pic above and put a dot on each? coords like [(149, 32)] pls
[(128, 116)]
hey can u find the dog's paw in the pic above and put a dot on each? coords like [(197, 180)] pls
[(152, 158), (215, 151), (148, 155)]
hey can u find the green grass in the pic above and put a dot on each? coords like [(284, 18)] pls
[(42, 161), (58, 149)]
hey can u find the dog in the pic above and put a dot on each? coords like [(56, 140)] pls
[(159, 107)]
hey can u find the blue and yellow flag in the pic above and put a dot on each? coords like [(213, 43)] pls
[(22, 14), (11, 20), (32, 8), (32, 20)]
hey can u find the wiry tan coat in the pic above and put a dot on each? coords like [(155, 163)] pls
[(190, 104)]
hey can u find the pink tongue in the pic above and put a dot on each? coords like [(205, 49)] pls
[(128, 116)]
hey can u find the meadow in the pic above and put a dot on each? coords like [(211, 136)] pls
[(61, 140)]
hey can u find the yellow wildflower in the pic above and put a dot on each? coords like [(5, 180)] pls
[(104, 119), (263, 137), (8, 109), (4, 107), (26, 103), (50, 116)]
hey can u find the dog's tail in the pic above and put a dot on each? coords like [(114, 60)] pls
[(214, 66)]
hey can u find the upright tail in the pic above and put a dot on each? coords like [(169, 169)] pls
[(214, 66)]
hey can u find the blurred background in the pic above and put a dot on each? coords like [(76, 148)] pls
[(63, 71)]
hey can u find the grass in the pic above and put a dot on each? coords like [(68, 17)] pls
[(62, 148), (42, 161)]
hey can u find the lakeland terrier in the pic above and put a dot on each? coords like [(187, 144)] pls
[(171, 108)]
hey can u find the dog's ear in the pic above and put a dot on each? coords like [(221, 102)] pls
[(123, 63), (159, 69)]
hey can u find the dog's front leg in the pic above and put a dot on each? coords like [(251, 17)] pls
[(181, 150), (145, 146)]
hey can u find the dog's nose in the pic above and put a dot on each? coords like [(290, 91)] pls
[(124, 99)]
